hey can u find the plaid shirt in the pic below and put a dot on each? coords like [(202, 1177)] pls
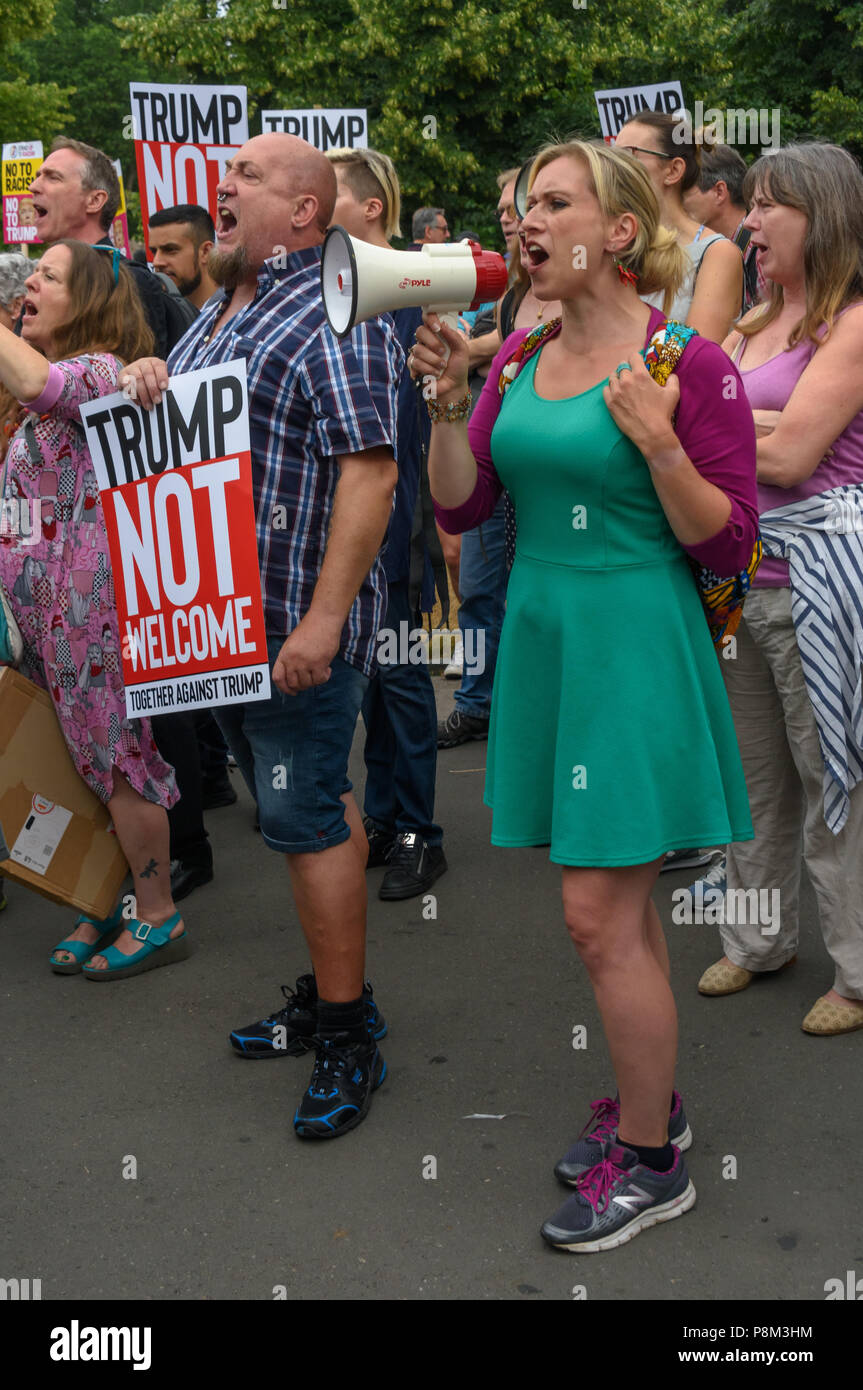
[(312, 397)]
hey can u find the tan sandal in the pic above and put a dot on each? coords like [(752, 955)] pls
[(827, 1018), (725, 978)]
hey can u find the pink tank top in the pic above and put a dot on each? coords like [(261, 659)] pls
[(769, 387)]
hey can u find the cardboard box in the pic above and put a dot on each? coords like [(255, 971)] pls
[(58, 835)]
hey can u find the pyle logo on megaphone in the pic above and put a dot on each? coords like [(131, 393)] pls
[(359, 280)]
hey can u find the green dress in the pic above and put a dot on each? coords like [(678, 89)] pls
[(611, 737)]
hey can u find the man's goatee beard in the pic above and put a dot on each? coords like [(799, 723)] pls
[(228, 268), (187, 287)]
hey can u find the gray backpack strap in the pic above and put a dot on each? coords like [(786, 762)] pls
[(32, 444)]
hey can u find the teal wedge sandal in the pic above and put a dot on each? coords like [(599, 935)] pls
[(82, 950), (157, 949)]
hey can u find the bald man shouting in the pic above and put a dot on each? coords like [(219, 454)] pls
[(322, 414)]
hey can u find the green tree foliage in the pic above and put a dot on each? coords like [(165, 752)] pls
[(83, 44), (456, 89), (806, 57), (31, 107)]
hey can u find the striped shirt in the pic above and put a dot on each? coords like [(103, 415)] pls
[(312, 398), (821, 539)]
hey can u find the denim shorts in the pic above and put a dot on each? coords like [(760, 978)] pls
[(293, 753)]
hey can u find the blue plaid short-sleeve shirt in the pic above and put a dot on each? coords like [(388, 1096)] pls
[(312, 397)]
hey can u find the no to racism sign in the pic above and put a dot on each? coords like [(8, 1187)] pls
[(622, 104), (176, 486), (326, 129), (21, 163), (184, 137), (119, 232)]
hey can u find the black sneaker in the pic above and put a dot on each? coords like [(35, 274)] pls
[(380, 844), (298, 1019), (413, 867), (340, 1092), (459, 727)]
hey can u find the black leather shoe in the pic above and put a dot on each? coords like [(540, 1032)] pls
[(187, 875), (459, 727), (217, 791), (380, 844), (413, 867)]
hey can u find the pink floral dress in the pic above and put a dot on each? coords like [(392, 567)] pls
[(61, 590)]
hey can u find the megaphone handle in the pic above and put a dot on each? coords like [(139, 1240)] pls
[(450, 318)]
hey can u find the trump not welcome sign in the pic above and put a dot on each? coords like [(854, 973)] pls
[(176, 487), (184, 137)]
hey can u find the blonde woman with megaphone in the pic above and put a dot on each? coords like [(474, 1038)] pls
[(621, 746)]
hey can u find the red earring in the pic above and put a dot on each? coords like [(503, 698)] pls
[(627, 276)]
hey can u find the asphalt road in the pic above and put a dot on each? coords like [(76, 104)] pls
[(481, 1004)]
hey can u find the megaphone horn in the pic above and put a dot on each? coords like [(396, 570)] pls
[(522, 184), (359, 280)]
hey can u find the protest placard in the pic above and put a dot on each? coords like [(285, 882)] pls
[(176, 489), (622, 104), (119, 232), (326, 128), (21, 163), (184, 137)]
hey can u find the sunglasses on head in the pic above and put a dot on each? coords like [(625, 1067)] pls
[(639, 149)]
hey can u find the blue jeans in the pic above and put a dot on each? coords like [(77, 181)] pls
[(293, 753), (482, 580), (401, 738)]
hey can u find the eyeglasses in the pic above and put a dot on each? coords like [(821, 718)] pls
[(639, 149), (508, 211)]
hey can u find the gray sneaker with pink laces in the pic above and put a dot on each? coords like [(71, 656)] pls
[(617, 1198), (602, 1128)]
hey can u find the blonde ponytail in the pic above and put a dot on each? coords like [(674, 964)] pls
[(664, 266)]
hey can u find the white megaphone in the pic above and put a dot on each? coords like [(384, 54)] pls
[(359, 280), (522, 187)]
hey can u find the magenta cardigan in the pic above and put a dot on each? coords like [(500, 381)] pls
[(714, 425)]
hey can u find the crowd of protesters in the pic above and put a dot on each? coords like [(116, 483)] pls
[(618, 420)]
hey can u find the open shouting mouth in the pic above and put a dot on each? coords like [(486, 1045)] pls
[(533, 255), (225, 224)]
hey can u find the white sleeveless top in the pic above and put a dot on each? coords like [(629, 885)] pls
[(683, 301)]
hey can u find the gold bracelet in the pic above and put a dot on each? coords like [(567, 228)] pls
[(447, 414)]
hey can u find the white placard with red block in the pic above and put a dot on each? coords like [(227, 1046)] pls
[(176, 489), (184, 137)]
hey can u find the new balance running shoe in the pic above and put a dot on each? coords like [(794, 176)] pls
[(616, 1199), (602, 1128), (340, 1092), (713, 882), (685, 859), (290, 1032)]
